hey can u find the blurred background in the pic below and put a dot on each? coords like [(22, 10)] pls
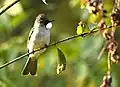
[(83, 69)]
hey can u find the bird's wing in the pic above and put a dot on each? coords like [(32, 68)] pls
[(30, 34)]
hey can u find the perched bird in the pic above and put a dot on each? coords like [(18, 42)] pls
[(39, 36)]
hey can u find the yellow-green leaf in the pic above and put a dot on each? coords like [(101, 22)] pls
[(61, 61), (79, 29)]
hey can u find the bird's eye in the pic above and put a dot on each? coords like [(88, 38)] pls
[(41, 18)]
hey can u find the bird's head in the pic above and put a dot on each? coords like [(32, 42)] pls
[(43, 20)]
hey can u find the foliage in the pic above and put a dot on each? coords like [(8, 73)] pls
[(71, 16)]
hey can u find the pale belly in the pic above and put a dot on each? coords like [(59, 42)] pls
[(38, 40)]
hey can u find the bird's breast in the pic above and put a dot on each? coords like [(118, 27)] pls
[(40, 37)]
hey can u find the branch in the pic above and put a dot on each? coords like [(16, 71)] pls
[(57, 42), (5, 8)]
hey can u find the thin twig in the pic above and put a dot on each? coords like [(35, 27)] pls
[(57, 42), (5, 8), (109, 62), (12, 61)]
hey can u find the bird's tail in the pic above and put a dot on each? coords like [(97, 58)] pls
[(30, 67)]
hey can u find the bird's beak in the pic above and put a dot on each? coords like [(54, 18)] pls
[(51, 20)]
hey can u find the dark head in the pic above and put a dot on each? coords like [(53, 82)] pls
[(43, 19)]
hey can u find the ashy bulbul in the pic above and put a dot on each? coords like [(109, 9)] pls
[(39, 36)]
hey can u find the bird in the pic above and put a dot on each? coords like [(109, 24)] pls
[(39, 37)]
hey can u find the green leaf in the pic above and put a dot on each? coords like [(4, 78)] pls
[(79, 29), (44, 1), (61, 61)]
